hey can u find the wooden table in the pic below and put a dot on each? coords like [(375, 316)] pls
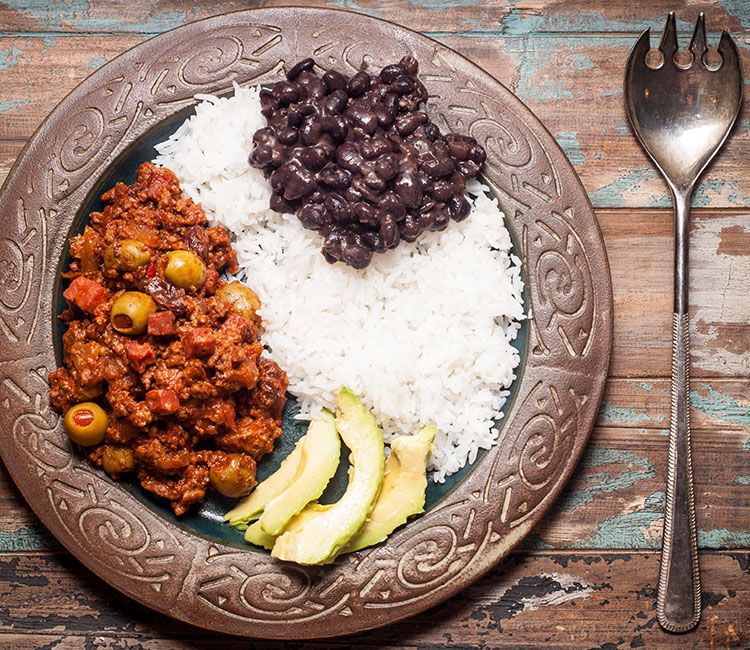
[(586, 578)]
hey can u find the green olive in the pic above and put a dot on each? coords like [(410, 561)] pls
[(130, 312), (185, 269), (241, 299), (86, 423), (127, 256), (117, 460), (233, 476)]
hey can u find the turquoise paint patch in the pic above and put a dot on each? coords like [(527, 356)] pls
[(568, 140), (77, 13), (729, 190), (10, 57), (27, 539), (720, 406), (97, 62), (581, 62), (742, 480), (645, 385), (13, 104), (620, 415), (740, 9), (723, 538), (614, 193), (627, 530), (355, 6), (605, 481)]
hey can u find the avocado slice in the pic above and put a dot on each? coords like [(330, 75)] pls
[(307, 469), (403, 490), (321, 452), (316, 535)]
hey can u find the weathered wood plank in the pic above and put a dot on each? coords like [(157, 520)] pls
[(639, 247), (510, 17), (616, 496), (555, 74), (554, 600)]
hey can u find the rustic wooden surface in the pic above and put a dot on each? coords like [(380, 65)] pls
[(586, 577)]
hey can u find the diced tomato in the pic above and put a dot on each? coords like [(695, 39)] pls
[(199, 342), (162, 401), (157, 183), (86, 294), (161, 323), (140, 355)]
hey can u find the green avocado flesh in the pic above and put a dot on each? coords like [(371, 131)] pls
[(317, 534), (301, 478), (403, 491)]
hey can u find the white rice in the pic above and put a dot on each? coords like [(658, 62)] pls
[(423, 334)]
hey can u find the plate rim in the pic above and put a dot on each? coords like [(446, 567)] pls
[(603, 288)]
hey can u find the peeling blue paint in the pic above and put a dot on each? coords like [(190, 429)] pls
[(568, 140), (27, 539), (645, 385), (13, 104), (742, 480), (10, 57), (356, 6), (614, 193), (605, 481), (723, 538), (97, 62), (720, 405), (627, 530), (622, 415), (77, 13), (740, 9), (730, 190)]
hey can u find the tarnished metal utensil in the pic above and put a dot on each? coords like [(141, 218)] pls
[(681, 107)]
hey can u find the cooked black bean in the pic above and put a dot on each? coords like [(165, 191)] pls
[(410, 229), (392, 205), (280, 204), (359, 161), (297, 68), (408, 187), (403, 85), (410, 65), (335, 103), (391, 72), (338, 207), (314, 216), (355, 254), (313, 157), (359, 84), (389, 230), (286, 92), (310, 130), (287, 135), (459, 207), (406, 124), (459, 146), (335, 177), (387, 166), (334, 80), (375, 147)]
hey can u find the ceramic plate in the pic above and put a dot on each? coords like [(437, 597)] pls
[(195, 568)]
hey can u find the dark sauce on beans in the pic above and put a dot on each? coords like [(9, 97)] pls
[(356, 159)]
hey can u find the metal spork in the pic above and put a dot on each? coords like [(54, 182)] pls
[(681, 109)]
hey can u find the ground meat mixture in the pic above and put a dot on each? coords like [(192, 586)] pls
[(166, 346), (356, 158)]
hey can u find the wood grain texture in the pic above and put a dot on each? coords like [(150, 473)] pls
[(565, 59), (50, 599)]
